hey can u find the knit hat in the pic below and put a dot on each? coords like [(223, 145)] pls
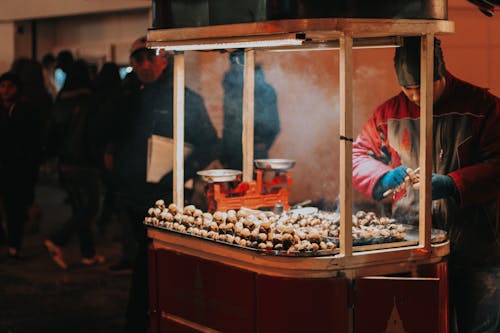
[(12, 77), (138, 45), (407, 61)]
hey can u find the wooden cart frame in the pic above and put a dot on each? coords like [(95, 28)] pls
[(178, 296)]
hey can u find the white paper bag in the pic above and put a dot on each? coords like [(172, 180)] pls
[(160, 157)]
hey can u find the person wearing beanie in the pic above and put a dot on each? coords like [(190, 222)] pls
[(19, 155), (465, 178)]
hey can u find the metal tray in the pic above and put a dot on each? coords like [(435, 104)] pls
[(274, 164), (438, 236), (319, 253), (219, 175)]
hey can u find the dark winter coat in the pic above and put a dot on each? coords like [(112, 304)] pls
[(75, 134), (20, 143), (148, 110)]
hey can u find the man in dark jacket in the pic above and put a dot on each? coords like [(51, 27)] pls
[(148, 110), (465, 179), (19, 158)]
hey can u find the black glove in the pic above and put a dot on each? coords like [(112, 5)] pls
[(389, 181), (443, 187)]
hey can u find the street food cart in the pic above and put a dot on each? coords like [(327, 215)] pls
[(204, 280)]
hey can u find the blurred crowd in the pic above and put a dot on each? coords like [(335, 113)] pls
[(56, 119)]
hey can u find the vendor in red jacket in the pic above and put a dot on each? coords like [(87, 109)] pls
[(465, 179)]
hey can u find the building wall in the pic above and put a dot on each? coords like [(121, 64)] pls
[(95, 37), (472, 52), (35, 9), (7, 54)]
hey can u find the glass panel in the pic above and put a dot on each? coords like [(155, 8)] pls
[(385, 155)]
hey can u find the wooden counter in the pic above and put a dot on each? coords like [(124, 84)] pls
[(198, 285)]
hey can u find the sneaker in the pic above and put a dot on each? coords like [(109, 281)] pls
[(96, 260), (13, 253), (56, 253)]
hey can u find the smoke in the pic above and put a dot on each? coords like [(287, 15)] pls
[(307, 87), (308, 105)]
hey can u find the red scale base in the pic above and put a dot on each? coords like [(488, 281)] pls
[(254, 194)]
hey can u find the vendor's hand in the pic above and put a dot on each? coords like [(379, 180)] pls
[(443, 187), (390, 180)]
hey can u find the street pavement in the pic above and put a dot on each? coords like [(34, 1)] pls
[(38, 296)]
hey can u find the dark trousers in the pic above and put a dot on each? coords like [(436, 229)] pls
[(133, 213), (82, 186), (130, 216), (475, 299), (17, 198), (137, 316)]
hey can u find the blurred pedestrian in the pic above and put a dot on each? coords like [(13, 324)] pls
[(30, 73), (19, 156), (75, 139)]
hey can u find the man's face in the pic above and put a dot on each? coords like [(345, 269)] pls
[(413, 92), (147, 65), (8, 91)]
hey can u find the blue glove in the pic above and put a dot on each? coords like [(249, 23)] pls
[(390, 180), (443, 187)]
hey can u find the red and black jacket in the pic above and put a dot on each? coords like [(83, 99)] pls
[(466, 146)]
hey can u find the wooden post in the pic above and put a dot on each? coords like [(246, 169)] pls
[(248, 114), (426, 133), (346, 130), (178, 163)]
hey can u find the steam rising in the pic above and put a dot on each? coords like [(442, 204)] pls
[(308, 102), (309, 109)]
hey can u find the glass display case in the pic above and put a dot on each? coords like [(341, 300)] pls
[(304, 250)]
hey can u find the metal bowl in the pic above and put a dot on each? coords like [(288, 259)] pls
[(274, 164), (219, 175)]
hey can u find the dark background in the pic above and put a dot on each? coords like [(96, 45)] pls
[(37, 296)]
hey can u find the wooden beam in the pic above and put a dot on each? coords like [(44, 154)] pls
[(178, 181), (425, 163), (346, 130), (318, 28), (248, 114)]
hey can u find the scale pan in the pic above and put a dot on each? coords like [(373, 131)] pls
[(274, 164), (219, 175)]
